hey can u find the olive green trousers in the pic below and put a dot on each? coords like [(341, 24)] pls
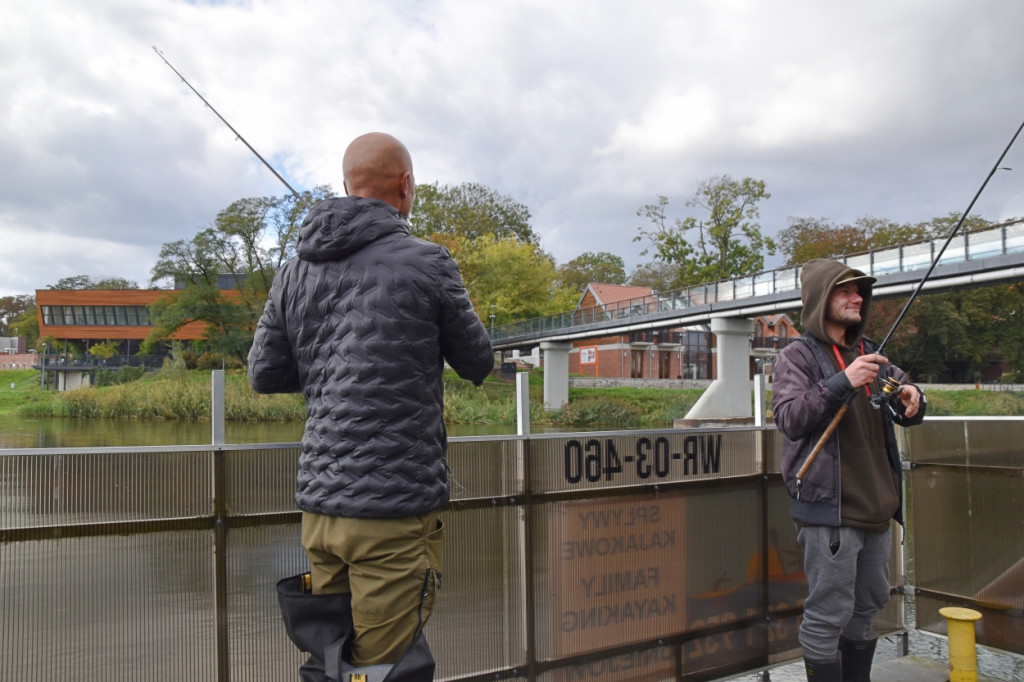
[(392, 567)]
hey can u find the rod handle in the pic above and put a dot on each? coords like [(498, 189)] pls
[(829, 430)]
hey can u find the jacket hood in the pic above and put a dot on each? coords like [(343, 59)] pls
[(817, 280), (337, 227)]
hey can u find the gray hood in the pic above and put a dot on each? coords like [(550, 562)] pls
[(817, 279)]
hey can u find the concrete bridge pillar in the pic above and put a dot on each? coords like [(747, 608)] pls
[(556, 373), (728, 396)]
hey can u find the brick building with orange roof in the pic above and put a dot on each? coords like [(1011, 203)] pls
[(678, 353)]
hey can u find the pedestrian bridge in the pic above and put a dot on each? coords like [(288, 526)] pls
[(981, 258)]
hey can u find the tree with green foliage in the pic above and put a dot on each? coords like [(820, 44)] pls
[(469, 212), (602, 267), (517, 278), (729, 242), (12, 309), (808, 238), (657, 275), (81, 282), (103, 351), (248, 242)]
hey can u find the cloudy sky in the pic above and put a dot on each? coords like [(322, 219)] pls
[(582, 110)]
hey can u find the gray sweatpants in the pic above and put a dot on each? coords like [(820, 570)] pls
[(848, 580)]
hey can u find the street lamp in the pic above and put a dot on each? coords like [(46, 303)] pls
[(493, 308), (42, 369)]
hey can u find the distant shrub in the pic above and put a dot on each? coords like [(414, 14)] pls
[(115, 377)]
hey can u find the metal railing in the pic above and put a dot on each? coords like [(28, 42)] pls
[(669, 553), (1001, 240), (59, 361)]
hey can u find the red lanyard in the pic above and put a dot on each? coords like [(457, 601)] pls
[(842, 365)]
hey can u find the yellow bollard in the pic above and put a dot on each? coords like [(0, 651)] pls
[(963, 657)]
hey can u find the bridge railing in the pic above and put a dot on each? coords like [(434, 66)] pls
[(1000, 240), (666, 553), (568, 556)]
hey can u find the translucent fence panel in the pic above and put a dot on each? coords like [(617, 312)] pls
[(81, 486), (484, 468), (887, 261), (965, 493), (255, 478), (743, 287), (955, 251), (484, 595), (1014, 238), (257, 558), (118, 608), (860, 262), (984, 244), (764, 284), (787, 279), (917, 256)]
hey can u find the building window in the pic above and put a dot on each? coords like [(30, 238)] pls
[(637, 365), (102, 316)]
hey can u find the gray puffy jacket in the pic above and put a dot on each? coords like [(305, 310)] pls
[(361, 323)]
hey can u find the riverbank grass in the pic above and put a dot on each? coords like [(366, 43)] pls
[(182, 394)]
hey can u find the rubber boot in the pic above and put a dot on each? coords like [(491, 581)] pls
[(316, 623), (857, 657), (321, 624), (824, 671), (416, 664)]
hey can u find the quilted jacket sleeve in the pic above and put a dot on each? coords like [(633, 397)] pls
[(272, 369), (464, 340)]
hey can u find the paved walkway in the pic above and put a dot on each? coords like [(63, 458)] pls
[(904, 669)]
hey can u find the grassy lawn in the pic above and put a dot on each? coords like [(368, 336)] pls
[(20, 391)]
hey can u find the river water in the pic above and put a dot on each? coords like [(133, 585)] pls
[(17, 432), (49, 432)]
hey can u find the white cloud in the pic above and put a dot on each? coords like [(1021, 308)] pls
[(581, 110)]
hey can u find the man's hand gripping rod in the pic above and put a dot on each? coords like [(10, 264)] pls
[(891, 387)]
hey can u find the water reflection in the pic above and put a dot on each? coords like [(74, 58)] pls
[(48, 432), (45, 432)]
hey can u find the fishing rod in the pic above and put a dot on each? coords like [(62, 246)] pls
[(938, 256), (238, 135), (891, 387)]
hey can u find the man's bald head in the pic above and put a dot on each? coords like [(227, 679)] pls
[(378, 166)]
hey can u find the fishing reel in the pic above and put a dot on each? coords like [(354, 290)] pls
[(889, 394)]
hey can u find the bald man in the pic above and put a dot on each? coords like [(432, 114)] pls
[(361, 322)]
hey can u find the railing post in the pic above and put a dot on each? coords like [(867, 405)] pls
[(523, 403), (220, 565), (760, 408), (217, 406), (220, 528)]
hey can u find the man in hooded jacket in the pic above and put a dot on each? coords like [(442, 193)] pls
[(362, 322), (845, 500)]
